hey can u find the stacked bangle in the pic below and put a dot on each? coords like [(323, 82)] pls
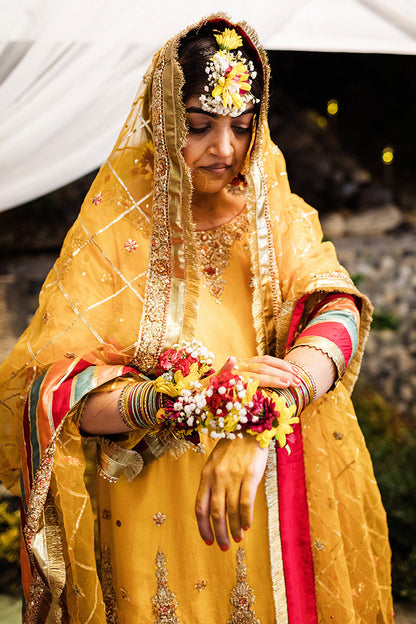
[(138, 405), (306, 377), (300, 395)]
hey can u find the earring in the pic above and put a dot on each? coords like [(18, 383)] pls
[(239, 180)]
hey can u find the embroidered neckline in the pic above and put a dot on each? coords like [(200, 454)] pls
[(214, 250)]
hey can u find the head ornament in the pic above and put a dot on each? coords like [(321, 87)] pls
[(230, 76)]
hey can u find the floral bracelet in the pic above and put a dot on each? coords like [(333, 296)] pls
[(229, 405)]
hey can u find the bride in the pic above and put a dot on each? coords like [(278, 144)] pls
[(190, 242)]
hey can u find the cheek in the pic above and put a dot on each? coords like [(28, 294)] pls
[(191, 152), (242, 151)]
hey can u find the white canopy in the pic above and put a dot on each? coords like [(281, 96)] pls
[(69, 70)]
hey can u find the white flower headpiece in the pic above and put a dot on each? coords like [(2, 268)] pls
[(230, 76)]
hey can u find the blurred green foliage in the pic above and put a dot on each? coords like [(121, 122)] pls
[(391, 441), (9, 532), (383, 319), (9, 546)]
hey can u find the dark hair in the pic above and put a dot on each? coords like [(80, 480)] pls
[(198, 46)]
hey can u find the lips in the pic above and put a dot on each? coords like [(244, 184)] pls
[(217, 167)]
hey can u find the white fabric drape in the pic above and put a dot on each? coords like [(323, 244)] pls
[(69, 70)]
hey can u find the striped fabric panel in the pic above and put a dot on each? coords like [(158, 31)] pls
[(340, 322), (51, 397), (335, 319)]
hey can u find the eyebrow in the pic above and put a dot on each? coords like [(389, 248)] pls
[(195, 109)]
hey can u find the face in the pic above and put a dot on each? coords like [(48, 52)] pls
[(217, 146)]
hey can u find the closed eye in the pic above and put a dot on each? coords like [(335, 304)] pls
[(242, 129), (197, 130)]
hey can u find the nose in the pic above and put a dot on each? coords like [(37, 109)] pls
[(222, 145)]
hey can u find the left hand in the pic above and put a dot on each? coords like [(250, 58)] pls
[(228, 487), (271, 372)]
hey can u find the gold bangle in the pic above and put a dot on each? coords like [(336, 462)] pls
[(307, 378), (123, 405)]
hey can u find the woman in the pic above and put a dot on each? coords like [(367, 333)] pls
[(190, 232)]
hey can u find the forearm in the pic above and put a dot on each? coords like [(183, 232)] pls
[(318, 364), (126, 405), (101, 414)]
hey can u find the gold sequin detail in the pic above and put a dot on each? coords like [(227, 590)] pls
[(124, 594), (200, 449), (319, 545), (214, 247), (242, 597), (164, 603), (159, 518), (200, 585), (109, 594), (338, 435), (37, 592)]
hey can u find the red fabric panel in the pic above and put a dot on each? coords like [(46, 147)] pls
[(61, 399), (336, 332), (294, 323), (27, 449), (295, 534)]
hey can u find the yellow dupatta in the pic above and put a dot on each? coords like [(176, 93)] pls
[(126, 285)]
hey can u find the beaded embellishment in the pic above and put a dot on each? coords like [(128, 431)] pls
[(164, 603), (242, 597), (214, 247)]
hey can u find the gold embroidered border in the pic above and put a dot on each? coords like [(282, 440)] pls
[(37, 594), (109, 594), (164, 602), (275, 546), (153, 321), (36, 504), (242, 597)]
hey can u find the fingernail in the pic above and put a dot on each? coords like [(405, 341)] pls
[(224, 547), (245, 528), (208, 542), (295, 369), (237, 539)]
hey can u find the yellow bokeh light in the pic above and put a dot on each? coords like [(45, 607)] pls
[(321, 121), (332, 107), (387, 155)]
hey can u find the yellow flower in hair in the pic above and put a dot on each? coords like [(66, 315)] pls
[(229, 39), (229, 86)]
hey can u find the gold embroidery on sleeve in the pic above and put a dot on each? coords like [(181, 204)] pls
[(242, 597), (164, 603)]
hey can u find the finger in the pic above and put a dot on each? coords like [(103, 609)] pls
[(273, 362), (229, 364), (269, 376), (219, 520), (233, 511), (247, 498), (202, 509)]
